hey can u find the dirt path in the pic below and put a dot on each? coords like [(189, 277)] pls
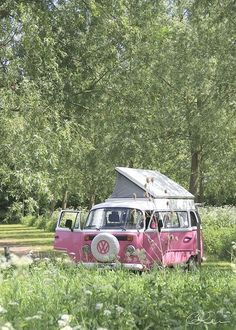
[(29, 249)]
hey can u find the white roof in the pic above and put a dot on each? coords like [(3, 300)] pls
[(145, 204), (156, 184)]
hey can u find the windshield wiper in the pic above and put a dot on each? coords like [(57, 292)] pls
[(123, 228)]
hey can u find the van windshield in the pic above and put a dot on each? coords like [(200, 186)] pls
[(115, 218)]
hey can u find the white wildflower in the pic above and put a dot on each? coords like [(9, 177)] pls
[(66, 317), (13, 303), (88, 292), (36, 317), (107, 312), (119, 309), (67, 327), (2, 310), (4, 264), (7, 326), (20, 261), (99, 306), (62, 323), (46, 259)]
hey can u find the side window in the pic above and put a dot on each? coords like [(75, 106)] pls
[(136, 218), (193, 219), (183, 219), (170, 220), (68, 217)]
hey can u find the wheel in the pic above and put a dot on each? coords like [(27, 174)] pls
[(192, 264)]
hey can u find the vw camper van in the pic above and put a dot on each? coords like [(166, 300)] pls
[(148, 220)]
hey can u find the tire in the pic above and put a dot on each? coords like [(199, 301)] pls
[(192, 264), (105, 247)]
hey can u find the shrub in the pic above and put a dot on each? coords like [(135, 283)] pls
[(28, 220), (14, 213), (51, 222), (219, 230), (217, 242), (218, 217), (40, 222)]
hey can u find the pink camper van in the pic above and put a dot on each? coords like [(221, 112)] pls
[(148, 220)]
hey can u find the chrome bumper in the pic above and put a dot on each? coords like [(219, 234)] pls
[(113, 265)]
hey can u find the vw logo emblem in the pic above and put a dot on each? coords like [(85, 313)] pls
[(103, 247)]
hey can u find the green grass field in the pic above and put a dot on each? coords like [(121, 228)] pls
[(54, 293), (19, 236)]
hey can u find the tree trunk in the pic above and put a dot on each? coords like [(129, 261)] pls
[(52, 205), (92, 200), (64, 201), (195, 171), (201, 188)]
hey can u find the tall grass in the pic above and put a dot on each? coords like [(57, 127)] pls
[(52, 294)]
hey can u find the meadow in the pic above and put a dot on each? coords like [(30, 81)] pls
[(57, 294), (51, 292)]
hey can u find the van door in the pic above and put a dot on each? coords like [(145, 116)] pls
[(178, 236), (195, 222), (155, 243), (67, 231)]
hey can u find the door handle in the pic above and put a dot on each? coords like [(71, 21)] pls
[(56, 236), (187, 239)]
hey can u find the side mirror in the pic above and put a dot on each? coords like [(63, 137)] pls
[(69, 223), (160, 225)]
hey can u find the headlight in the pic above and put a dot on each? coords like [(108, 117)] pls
[(130, 250), (86, 249)]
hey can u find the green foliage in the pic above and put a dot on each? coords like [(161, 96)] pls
[(14, 213), (28, 220), (218, 217), (87, 86), (51, 222), (217, 242), (40, 222), (46, 221), (219, 230), (63, 294)]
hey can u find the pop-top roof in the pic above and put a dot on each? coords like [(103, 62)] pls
[(140, 183)]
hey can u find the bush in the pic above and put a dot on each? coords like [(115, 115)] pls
[(218, 217), (14, 213), (51, 222), (28, 220), (46, 221), (219, 230), (51, 225), (40, 222), (217, 242)]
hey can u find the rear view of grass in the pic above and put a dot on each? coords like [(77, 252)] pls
[(18, 236)]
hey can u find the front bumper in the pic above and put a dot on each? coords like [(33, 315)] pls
[(113, 265)]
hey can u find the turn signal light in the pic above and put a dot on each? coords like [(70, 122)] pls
[(130, 238)]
